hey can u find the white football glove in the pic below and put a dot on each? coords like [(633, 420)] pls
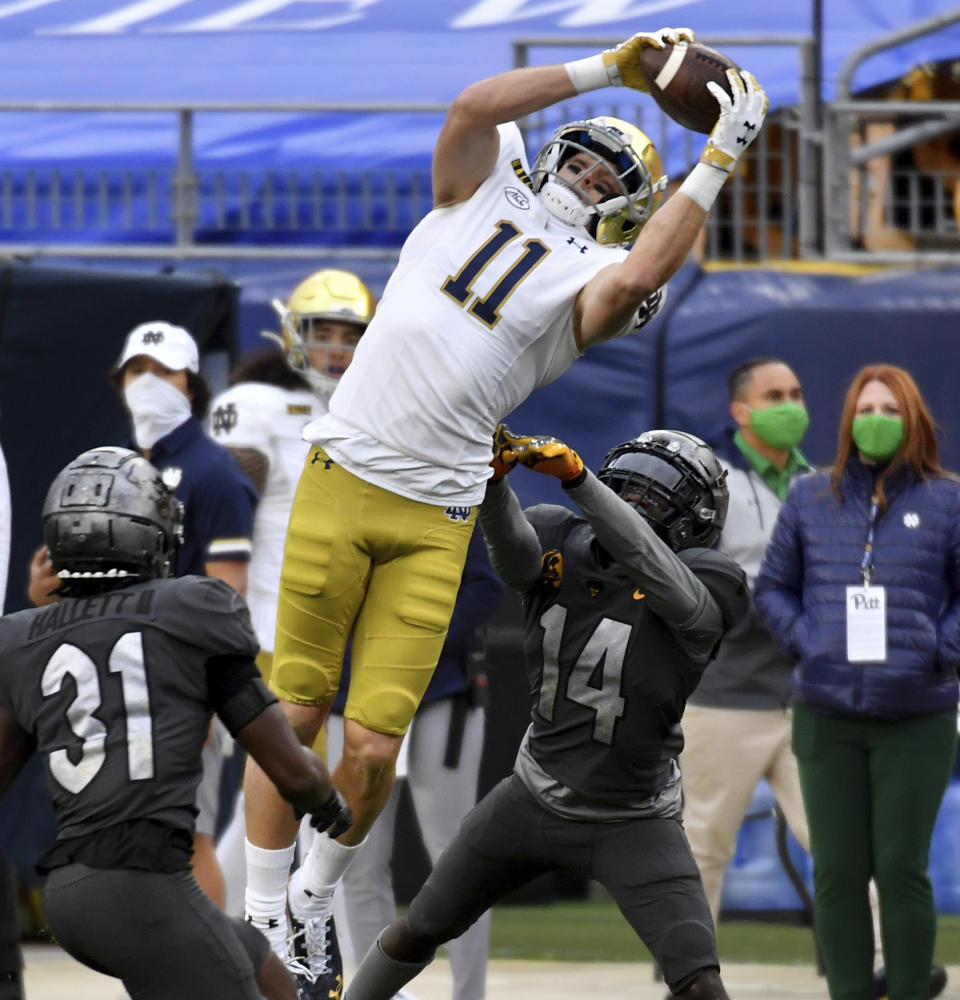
[(740, 119), (623, 62)]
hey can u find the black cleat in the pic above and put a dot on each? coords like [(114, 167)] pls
[(315, 961), (938, 981)]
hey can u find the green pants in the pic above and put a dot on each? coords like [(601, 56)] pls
[(872, 790)]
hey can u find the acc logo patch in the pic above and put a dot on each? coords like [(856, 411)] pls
[(911, 520), (517, 198), (551, 568), (458, 513)]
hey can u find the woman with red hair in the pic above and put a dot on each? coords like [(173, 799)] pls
[(861, 583)]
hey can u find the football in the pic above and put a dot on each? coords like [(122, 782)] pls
[(677, 78)]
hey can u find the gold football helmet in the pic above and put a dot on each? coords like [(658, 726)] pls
[(632, 159), (328, 295)]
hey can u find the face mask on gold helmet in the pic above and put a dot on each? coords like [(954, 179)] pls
[(325, 295), (630, 157)]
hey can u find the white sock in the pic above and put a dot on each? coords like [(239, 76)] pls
[(313, 883), (265, 899), (232, 861)]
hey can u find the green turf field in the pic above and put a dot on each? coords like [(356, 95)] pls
[(594, 931)]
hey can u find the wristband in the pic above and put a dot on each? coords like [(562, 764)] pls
[(703, 183), (578, 480), (592, 73)]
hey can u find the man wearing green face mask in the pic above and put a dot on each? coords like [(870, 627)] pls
[(742, 701)]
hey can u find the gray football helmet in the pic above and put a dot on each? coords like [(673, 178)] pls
[(675, 481), (110, 516)]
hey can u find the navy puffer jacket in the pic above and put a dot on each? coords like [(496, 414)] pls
[(815, 553)]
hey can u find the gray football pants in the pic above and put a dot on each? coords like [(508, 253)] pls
[(157, 932), (442, 796)]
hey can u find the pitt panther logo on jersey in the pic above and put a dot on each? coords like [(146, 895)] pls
[(224, 418), (551, 568), (152, 337), (458, 513)]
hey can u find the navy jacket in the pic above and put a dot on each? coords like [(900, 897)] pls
[(815, 553)]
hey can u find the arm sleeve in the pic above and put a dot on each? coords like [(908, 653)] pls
[(673, 591), (240, 418), (512, 542), (223, 510), (949, 626), (236, 691), (778, 591)]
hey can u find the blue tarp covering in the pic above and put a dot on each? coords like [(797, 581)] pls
[(388, 49), (351, 50)]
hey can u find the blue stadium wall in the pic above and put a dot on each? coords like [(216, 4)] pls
[(62, 324)]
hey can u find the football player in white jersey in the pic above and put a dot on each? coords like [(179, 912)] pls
[(260, 418), (511, 277)]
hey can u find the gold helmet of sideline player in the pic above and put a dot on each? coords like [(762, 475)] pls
[(321, 323), (630, 157)]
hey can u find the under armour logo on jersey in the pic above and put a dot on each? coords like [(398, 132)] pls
[(582, 247), (911, 520), (152, 337), (458, 513), (224, 418), (594, 588)]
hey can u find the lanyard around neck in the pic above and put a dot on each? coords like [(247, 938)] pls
[(866, 563)]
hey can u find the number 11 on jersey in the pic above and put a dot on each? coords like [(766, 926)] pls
[(460, 286)]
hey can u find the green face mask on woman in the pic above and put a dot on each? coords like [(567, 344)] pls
[(781, 426), (877, 436)]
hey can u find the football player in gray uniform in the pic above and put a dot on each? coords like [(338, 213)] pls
[(114, 686), (623, 608)]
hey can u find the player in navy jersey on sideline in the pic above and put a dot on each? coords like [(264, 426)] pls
[(623, 607), (114, 686)]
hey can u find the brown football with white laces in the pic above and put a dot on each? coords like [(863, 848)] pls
[(677, 78)]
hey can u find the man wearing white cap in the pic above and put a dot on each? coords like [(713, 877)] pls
[(158, 378)]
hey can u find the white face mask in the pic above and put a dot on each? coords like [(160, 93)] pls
[(157, 408), (566, 205)]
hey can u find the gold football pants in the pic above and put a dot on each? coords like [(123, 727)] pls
[(363, 562)]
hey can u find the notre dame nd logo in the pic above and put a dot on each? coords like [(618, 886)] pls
[(152, 337), (224, 418), (458, 513)]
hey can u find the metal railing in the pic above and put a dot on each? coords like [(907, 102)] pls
[(772, 207), (758, 216), (871, 204)]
